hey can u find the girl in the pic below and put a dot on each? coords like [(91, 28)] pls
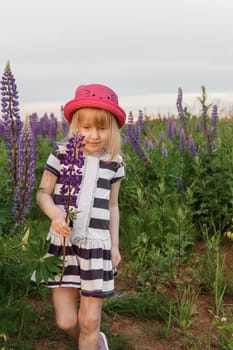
[(92, 244)]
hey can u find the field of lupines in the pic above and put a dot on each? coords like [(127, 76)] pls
[(178, 193)]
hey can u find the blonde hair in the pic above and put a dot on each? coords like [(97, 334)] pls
[(102, 118)]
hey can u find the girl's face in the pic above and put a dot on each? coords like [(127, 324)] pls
[(95, 131)]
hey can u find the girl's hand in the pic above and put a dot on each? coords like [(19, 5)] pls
[(116, 257), (60, 226)]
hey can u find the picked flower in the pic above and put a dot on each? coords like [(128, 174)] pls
[(71, 176)]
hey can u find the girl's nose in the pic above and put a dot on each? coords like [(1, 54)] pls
[(95, 133)]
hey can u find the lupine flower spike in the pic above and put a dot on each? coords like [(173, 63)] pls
[(11, 120), (25, 176), (71, 176), (129, 128), (181, 112)]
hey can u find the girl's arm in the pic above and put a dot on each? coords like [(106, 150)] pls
[(114, 223), (47, 205)]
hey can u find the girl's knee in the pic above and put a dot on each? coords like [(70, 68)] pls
[(67, 322), (89, 323)]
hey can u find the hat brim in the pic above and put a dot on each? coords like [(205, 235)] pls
[(71, 106)]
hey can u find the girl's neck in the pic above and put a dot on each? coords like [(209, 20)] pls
[(94, 154)]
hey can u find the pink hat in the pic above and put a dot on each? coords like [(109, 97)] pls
[(97, 96)]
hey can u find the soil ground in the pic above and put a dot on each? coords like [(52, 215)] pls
[(150, 334)]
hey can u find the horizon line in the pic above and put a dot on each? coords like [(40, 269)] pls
[(154, 104)]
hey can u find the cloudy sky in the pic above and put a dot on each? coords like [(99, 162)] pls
[(143, 49)]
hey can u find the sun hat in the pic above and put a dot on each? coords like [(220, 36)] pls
[(97, 96)]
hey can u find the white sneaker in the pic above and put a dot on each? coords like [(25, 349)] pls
[(102, 342)]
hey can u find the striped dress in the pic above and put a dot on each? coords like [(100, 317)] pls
[(88, 263)]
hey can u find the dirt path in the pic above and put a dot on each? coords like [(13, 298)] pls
[(151, 334)]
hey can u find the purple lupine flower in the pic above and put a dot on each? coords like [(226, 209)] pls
[(1, 129), (171, 129), (179, 105), (129, 128), (181, 111), (52, 131), (175, 129), (133, 135), (182, 141), (197, 126), (44, 125), (141, 120), (71, 172), (137, 133), (215, 118), (164, 150), (34, 124), (162, 136), (180, 185), (139, 126), (71, 176), (149, 144), (11, 120), (141, 153), (25, 176), (192, 147)]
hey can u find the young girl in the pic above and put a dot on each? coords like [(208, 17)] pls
[(92, 244)]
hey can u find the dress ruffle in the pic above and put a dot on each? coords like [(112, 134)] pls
[(88, 266)]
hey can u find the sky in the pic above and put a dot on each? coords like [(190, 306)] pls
[(144, 49)]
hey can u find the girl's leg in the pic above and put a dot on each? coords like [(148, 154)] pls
[(89, 322), (65, 304)]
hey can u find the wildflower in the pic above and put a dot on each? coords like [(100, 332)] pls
[(137, 133), (161, 137), (149, 145), (229, 234), (197, 126), (52, 130), (182, 141), (129, 128), (25, 176), (11, 121), (179, 106), (214, 118), (170, 129), (71, 172), (70, 180), (181, 113), (192, 147), (164, 150), (223, 320), (141, 153), (180, 185), (141, 120), (1, 129), (34, 124)]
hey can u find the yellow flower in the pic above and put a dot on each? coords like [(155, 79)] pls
[(229, 234)]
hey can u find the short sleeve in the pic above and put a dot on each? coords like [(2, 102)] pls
[(120, 172), (53, 163)]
